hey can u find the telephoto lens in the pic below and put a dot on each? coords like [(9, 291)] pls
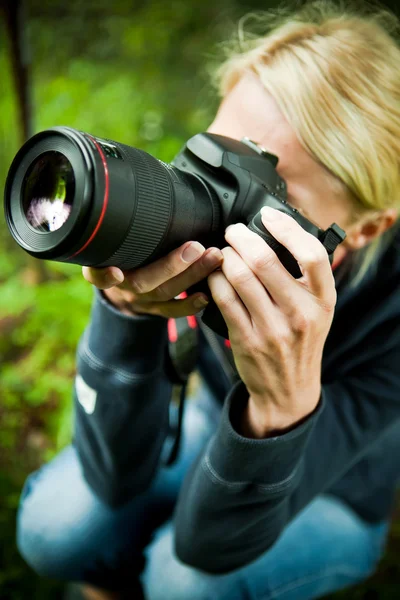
[(76, 198)]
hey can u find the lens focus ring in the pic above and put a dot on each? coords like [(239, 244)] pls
[(151, 219)]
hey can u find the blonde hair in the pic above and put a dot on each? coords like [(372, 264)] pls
[(334, 72)]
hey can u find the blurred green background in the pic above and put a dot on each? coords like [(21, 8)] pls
[(136, 72)]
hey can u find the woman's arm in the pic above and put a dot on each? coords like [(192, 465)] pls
[(122, 398), (243, 492), (122, 391)]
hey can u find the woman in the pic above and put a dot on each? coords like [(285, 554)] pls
[(287, 490)]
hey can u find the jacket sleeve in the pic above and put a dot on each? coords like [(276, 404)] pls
[(241, 493), (122, 397)]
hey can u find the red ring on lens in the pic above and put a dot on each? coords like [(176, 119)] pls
[(105, 199)]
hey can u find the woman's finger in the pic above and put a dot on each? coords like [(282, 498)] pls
[(103, 278), (148, 278), (265, 264), (235, 314), (211, 260), (249, 288), (307, 250)]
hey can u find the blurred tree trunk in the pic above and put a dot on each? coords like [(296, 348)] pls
[(14, 15), (20, 60)]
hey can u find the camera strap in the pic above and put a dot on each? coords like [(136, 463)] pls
[(332, 237), (181, 359)]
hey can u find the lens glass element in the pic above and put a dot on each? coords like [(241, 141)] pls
[(48, 191)]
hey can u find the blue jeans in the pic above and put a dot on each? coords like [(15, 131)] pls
[(65, 532)]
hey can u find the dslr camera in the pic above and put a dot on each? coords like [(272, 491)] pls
[(77, 198)]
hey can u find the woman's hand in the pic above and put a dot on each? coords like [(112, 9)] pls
[(152, 289), (277, 324)]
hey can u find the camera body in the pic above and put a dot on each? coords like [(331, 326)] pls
[(243, 177), (241, 174)]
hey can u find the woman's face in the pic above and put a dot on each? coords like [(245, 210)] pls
[(250, 111)]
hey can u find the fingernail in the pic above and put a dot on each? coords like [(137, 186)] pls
[(193, 251), (200, 302), (114, 276), (271, 214)]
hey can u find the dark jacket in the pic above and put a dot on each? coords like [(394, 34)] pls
[(240, 495)]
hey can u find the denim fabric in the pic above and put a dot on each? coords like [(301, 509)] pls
[(65, 532)]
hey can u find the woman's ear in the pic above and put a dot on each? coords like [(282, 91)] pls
[(369, 227)]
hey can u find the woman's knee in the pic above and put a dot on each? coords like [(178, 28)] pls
[(167, 578), (308, 559), (55, 518)]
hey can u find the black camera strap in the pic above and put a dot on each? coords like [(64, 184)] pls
[(182, 353), (332, 237)]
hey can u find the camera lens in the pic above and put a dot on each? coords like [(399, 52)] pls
[(73, 197), (48, 192)]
